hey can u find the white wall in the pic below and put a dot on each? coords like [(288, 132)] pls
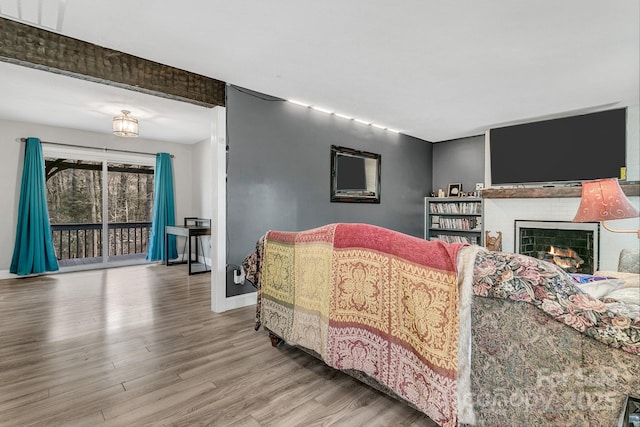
[(215, 155), (633, 143), (12, 159), (201, 187)]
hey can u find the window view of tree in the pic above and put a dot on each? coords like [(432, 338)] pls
[(130, 193), (74, 197)]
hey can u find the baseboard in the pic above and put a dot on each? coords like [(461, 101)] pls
[(242, 300), (4, 274)]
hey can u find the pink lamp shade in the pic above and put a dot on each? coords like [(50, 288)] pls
[(604, 200)]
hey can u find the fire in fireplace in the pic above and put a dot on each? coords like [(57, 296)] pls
[(565, 258), (572, 246)]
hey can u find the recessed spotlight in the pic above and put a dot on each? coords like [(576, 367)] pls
[(322, 110), (298, 103), (343, 116)]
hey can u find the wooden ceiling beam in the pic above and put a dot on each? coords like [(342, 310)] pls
[(44, 50)]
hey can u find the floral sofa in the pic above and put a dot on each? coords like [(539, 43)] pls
[(546, 352)]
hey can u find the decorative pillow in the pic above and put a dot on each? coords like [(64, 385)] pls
[(601, 288), (629, 261)]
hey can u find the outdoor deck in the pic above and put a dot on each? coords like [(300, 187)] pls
[(81, 244), (72, 262)]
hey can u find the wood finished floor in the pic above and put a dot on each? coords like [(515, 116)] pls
[(138, 346)]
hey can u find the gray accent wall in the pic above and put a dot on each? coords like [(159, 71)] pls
[(458, 161), (278, 173)]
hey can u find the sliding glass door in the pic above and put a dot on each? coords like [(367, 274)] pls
[(100, 206), (129, 212), (74, 199)]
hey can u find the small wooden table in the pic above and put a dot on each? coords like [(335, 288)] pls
[(188, 231)]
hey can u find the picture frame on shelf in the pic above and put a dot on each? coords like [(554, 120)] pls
[(454, 190)]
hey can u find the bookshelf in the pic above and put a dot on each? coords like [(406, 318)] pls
[(454, 219)]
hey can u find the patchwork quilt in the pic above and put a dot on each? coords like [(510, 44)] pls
[(370, 299)]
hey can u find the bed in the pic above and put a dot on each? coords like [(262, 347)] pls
[(465, 335)]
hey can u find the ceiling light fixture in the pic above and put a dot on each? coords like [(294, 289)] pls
[(124, 125)]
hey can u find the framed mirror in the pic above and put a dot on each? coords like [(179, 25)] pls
[(355, 176)]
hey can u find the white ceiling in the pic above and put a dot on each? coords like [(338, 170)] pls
[(432, 69)]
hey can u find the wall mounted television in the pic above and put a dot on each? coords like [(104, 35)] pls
[(351, 174), (570, 149)]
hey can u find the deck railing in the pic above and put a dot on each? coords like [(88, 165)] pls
[(85, 240)]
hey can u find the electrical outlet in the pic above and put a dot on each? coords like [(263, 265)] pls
[(238, 277)]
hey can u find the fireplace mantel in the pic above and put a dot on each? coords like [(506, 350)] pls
[(629, 188)]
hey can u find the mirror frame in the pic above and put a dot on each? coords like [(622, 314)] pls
[(354, 197)]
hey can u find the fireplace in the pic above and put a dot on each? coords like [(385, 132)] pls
[(573, 246)]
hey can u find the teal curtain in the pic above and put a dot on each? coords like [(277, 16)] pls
[(163, 210), (33, 251)]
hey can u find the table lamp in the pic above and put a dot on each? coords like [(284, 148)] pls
[(603, 200)]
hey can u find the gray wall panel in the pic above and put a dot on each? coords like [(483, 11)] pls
[(460, 160), (279, 170)]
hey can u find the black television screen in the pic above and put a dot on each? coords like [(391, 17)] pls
[(578, 148), (350, 173)]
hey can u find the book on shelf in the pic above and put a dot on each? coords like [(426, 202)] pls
[(457, 223), (456, 239), (473, 208)]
